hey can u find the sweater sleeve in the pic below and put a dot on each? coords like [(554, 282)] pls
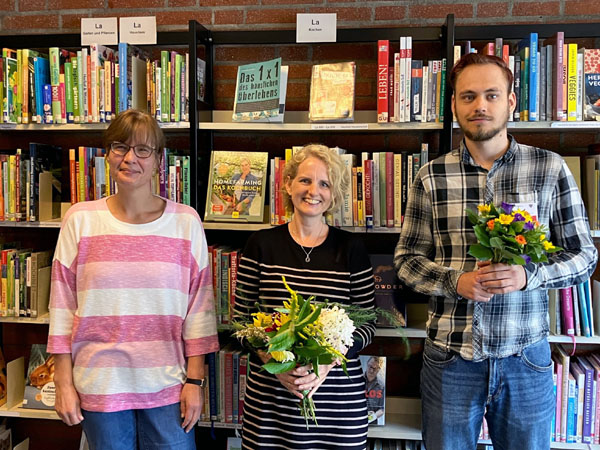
[(63, 289), (200, 325), (362, 293)]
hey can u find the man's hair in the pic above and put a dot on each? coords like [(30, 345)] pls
[(478, 59)]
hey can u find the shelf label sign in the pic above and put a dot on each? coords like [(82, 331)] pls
[(316, 27), (99, 30), (137, 30)]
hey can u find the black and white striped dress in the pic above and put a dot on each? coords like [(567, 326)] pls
[(339, 270)]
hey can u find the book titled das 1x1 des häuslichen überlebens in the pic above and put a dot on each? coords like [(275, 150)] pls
[(236, 188)]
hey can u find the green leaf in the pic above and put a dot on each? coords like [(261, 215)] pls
[(518, 226), (496, 242), (482, 236), (276, 367), (313, 316), (480, 252), (282, 341), (472, 216), (518, 260)]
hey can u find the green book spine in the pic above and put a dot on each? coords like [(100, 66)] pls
[(382, 186), (177, 95), (75, 89), (164, 85), (69, 92), (443, 90), (186, 180)]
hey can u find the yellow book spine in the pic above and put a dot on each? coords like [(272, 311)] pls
[(572, 84), (12, 190), (360, 201)]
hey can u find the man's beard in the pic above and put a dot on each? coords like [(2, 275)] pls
[(481, 134)]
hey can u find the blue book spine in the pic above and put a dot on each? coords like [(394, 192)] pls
[(47, 104), (534, 66), (212, 385), (122, 76), (41, 70), (572, 412), (585, 315)]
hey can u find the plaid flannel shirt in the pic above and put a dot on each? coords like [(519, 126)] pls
[(432, 250)]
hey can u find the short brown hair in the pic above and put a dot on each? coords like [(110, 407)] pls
[(336, 171), (475, 58), (131, 122)]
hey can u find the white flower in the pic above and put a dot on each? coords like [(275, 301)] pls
[(337, 328), (252, 332)]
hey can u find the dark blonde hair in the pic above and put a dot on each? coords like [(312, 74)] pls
[(336, 171), (133, 123)]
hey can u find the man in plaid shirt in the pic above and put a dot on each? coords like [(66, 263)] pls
[(486, 350)]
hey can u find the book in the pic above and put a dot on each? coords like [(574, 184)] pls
[(278, 118), (591, 107), (332, 92), (39, 385), (3, 382), (374, 368), (388, 290), (383, 59), (257, 91), (236, 187)]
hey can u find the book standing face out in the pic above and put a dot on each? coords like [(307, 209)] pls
[(257, 91), (374, 368), (236, 188), (40, 390), (332, 92)]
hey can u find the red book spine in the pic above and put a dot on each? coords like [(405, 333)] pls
[(389, 189), (382, 81), (17, 192), (90, 87), (505, 53), (280, 203), (277, 191), (489, 49), (233, 263), (566, 303)]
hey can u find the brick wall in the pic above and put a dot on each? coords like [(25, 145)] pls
[(39, 16)]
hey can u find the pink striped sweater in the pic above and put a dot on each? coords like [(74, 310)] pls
[(130, 302)]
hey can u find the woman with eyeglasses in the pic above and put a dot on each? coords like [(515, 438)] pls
[(131, 305)]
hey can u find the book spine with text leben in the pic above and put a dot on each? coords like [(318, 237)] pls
[(383, 80)]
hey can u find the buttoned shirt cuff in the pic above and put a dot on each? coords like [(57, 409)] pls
[(452, 284)]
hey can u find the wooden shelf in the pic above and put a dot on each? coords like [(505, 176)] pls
[(42, 320), (82, 127), (46, 224), (18, 411)]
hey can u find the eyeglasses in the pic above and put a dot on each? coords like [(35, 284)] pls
[(141, 151)]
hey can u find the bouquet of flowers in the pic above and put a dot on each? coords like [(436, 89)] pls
[(303, 332), (508, 235)]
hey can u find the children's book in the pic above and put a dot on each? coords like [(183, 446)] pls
[(236, 187), (374, 368), (39, 386), (591, 106), (257, 91), (332, 92)]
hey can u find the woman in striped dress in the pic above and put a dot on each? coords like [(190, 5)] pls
[(316, 260)]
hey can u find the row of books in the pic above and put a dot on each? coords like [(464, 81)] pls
[(33, 188), (25, 281), (576, 383), (223, 261), (227, 371), (591, 178), (409, 90), (376, 198), (574, 311), (93, 85), (553, 79), (90, 177)]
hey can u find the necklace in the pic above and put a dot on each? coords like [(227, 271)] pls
[(307, 253)]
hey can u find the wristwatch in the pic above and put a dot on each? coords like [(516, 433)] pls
[(198, 382)]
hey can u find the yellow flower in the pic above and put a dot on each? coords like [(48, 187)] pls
[(505, 219), (484, 209), (542, 237), (262, 320), (283, 356), (548, 245), (281, 319)]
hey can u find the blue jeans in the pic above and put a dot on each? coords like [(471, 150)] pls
[(144, 429), (515, 394)]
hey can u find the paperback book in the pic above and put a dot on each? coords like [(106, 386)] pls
[(236, 187), (257, 91), (591, 107), (374, 372), (332, 92), (39, 386)]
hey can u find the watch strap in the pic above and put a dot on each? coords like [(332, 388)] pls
[(198, 382)]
